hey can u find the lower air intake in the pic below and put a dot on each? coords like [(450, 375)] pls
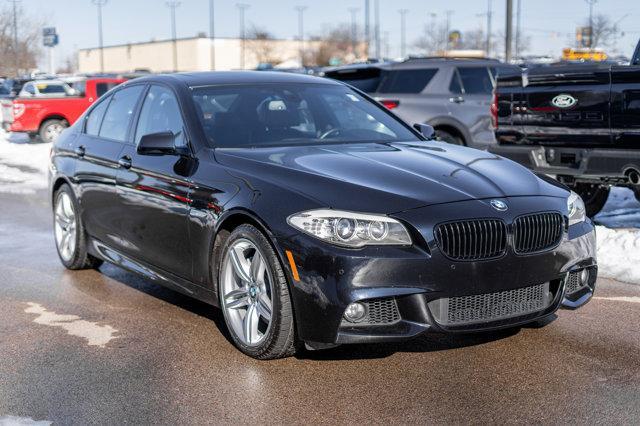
[(379, 312), (573, 283), (491, 307)]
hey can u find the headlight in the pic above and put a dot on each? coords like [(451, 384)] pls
[(577, 212), (350, 229)]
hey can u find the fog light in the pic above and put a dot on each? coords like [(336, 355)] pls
[(355, 312), (584, 276)]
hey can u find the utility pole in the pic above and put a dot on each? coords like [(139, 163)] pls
[(509, 31), (403, 35), (99, 4), (241, 8), (489, 16), (591, 3), (448, 28), (367, 30), (301, 10), (354, 31), (212, 36), (172, 4), (377, 27), (518, 25), (16, 55)]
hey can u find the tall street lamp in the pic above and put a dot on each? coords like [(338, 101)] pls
[(403, 33), (241, 8), (172, 4), (99, 4), (301, 10)]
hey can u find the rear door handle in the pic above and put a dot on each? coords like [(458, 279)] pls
[(456, 100), (125, 162), (80, 151)]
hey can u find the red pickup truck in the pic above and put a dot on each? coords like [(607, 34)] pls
[(49, 116)]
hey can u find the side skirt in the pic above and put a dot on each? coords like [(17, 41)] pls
[(158, 276)]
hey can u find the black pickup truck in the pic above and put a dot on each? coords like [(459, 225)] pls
[(578, 122)]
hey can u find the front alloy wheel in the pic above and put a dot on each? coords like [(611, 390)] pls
[(254, 294)]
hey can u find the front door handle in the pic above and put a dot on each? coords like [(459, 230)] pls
[(125, 162), (80, 151), (456, 100)]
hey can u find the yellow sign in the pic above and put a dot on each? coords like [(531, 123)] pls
[(570, 54)]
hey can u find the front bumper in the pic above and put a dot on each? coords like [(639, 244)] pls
[(584, 164), (330, 278)]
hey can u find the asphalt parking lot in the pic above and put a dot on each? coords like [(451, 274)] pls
[(107, 347)]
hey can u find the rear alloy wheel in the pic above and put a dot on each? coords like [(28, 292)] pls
[(51, 129), (69, 233), (593, 195), (447, 137), (254, 296)]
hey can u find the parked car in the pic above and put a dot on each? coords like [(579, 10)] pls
[(452, 95), (46, 88), (311, 214), (49, 116), (580, 123)]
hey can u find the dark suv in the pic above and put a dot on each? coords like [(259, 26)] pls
[(452, 95)]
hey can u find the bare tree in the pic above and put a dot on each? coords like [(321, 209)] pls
[(604, 31), (28, 42), (433, 40), (336, 45), (260, 43)]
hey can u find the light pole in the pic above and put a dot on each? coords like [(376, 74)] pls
[(354, 30), (99, 4), (591, 3), (518, 25), (448, 29), (212, 36), (172, 4), (509, 31), (241, 8), (16, 56), (403, 35), (367, 30), (376, 12), (489, 16), (301, 10)]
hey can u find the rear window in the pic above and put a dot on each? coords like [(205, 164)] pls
[(365, 79), (102, 88), (476, 80), (51, 88), (407, 81)]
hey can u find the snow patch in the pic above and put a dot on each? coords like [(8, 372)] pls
[(23, 165), (619, 254), (22, 421), (622, 210), (96, 335), (630, 299)]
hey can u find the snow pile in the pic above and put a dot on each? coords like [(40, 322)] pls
[(23, 166), (621, 211), (619, 254)]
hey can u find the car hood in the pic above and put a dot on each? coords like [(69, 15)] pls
[(388, 177)]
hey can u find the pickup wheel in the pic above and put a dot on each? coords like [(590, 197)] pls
[(594, 196), (51, 129)]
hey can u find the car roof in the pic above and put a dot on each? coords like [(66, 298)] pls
[(47, 82), (196, 79), (437, 62)]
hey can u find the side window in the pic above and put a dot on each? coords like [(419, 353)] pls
[(29, 88), (102, 88), (455, 86), (160, 113), (407, 81), (118, 116), (476, 80), (95, 118)]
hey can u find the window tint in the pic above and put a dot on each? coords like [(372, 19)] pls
[(95, 118), (365, 79), (160, 113), (476, 80), (51, 88), (455, 87), (29, 88), (118, 116), (102, 88), (407, 81), (276, 114)]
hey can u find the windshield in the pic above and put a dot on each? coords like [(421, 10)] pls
[(277, 114)]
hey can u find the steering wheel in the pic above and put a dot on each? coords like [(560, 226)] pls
[(330, 132)]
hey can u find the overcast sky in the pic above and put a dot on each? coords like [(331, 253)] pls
[(550, 24)]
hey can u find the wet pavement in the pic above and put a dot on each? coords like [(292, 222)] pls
[(96, 347)]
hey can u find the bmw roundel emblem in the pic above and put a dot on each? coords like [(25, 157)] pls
[(499, 205)]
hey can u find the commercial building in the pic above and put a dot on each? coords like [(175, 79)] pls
[(193, 54)]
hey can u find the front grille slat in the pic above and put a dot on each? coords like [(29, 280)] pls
[(537, 232), (472, 239), (482, 308)]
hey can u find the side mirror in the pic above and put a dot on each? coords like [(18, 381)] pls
[(426, 130), (161, 143)]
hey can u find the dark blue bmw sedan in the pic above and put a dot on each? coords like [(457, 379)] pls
[(311, 215)]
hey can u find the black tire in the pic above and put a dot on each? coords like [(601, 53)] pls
[(80, 259), (48, 130), (280, 340), (447, 137), (593, 195)]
